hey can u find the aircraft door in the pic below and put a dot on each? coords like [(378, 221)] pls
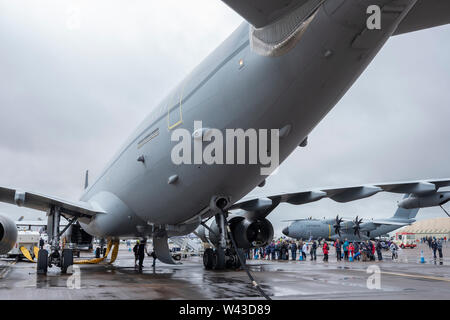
[(174, 110)]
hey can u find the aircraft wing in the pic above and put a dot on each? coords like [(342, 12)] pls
[(261, 13), (425, 14), (390, 223), (261, 206), (25, 223), (36, 223), (45, 203)]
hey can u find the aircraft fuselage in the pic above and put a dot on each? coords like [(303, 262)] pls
[(318, 229), (232, 88)]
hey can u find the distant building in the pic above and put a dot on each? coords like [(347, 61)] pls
[(437, 227)]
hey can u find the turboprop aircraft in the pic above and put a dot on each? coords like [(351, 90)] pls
[(352, 230), (282, 70)]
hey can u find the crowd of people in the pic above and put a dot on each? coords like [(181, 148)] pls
[(368, 250), (435, 245)]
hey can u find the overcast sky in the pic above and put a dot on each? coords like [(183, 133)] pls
[(77, 77)]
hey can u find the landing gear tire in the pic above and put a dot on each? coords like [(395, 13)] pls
[(232, 259), (66, 260), (208, 258), (42, 262), (97, 253), (177, 257), (219, 259)]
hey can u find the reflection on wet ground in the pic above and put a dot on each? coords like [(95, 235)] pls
[(405, 278)]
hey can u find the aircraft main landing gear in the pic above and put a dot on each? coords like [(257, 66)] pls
[(219, 259), (61, 258), (223, 256), (42, 261)]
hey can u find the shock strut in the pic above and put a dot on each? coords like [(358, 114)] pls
[(241, 260)]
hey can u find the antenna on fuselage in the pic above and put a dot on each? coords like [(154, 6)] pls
[(86, 180)]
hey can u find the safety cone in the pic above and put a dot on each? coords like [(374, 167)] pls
[(300, 258), (422, 258), (350, 259)]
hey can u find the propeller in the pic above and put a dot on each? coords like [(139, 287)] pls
[(337, 225), (357, 226)]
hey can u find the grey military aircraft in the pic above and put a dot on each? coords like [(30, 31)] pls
[(284, 68), (353, 230)]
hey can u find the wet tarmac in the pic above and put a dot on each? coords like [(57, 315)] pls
[(404, 278)]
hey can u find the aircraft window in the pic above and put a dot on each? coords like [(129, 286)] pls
[(148, 137)]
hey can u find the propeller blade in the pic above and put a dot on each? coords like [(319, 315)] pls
[(357, 226), (337, 226)]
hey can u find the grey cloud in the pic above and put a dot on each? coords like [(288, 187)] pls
[(69, 99)]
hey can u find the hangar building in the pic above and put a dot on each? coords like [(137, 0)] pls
[(436, 227)]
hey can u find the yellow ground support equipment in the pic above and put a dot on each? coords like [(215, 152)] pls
[(108, 249), (115, 251), (26, 253), (36, 251)]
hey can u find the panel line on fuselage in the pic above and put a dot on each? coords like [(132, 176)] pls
[(148, 138)]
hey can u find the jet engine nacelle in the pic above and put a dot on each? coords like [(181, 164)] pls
[(248, 233), (251, 233), (414, 202), (8, 234)]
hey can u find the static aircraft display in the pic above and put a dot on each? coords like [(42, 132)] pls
[(352, 230), (284, 69)]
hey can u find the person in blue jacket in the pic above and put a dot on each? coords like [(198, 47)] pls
[(338, 246), (293, 250)]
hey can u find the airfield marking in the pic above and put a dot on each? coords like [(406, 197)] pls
[(416, 276), (410, 275)]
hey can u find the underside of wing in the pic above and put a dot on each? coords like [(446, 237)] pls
[(390, 223), (261, 206), (425, 14), (45, 203), (260, 13)]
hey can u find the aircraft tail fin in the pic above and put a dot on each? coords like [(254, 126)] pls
[(86, 180), (405, 214)]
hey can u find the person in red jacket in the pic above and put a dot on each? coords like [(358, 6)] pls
[(372, 247), (351, 248), (325, 251)]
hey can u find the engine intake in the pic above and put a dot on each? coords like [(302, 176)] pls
[(250, 233), (8, 234)]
